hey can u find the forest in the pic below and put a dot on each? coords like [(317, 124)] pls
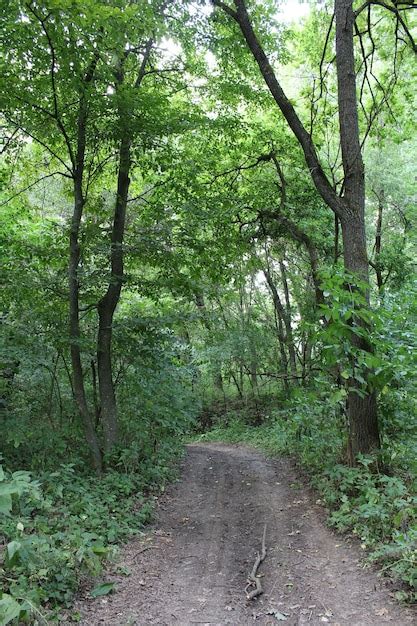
[(206, 233)]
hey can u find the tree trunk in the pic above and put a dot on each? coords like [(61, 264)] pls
[(74, 260), (283, 315), (281, 340), (349, 209), (108, 303), (74, 325), (378, 242), (361, 409), (205, 321), (336, 238)]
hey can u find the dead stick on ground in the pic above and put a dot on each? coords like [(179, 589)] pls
[(253, 579)]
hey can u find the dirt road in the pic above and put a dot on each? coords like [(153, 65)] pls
[(192, 566)]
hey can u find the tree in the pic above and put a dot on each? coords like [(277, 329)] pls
[(77, 92), (350, 207)]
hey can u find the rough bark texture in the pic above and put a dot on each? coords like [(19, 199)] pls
[(362, 411)]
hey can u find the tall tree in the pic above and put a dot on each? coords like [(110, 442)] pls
[(75, 77), (350, 207)]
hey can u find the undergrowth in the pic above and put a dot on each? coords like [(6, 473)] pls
[(58, 530), (379, 507)]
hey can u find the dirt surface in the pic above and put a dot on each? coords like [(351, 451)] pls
[(192, 567)]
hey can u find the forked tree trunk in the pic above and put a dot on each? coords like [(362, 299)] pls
[(108, 303)]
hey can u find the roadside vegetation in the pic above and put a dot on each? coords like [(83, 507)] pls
[(206, 226)]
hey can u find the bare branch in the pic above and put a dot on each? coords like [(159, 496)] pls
[(396, 11), (56, 115), (225, 7), (40, 142), (36, 182)]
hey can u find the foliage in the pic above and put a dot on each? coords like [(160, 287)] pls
[(60, 529)]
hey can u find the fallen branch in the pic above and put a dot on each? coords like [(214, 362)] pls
[(253, 579)]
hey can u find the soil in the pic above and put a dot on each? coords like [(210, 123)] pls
[(192, 566)]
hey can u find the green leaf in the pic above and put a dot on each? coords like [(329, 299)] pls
[(5, 504), (1, 473), (102, 590), (100, 549), (9, 609), (7, 489), (13, 549)]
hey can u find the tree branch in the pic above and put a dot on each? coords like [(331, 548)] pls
[(320, 179), (18, 193)]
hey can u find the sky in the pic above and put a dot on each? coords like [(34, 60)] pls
[(293, 10)]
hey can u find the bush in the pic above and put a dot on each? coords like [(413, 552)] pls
[(60, 528)]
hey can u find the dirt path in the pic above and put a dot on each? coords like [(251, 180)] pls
[(192, 567)]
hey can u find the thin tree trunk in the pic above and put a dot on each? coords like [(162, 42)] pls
[(283, 315), (253, 368), (97, 410), (108, 303), (299, 235), (287, 321), (281, 340), (378, 243), (73, 282), (205, 321), (74, 322), (233, 375), (336, 239)]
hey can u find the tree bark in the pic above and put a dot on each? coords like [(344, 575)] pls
[(361, 411), (108, 303)]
